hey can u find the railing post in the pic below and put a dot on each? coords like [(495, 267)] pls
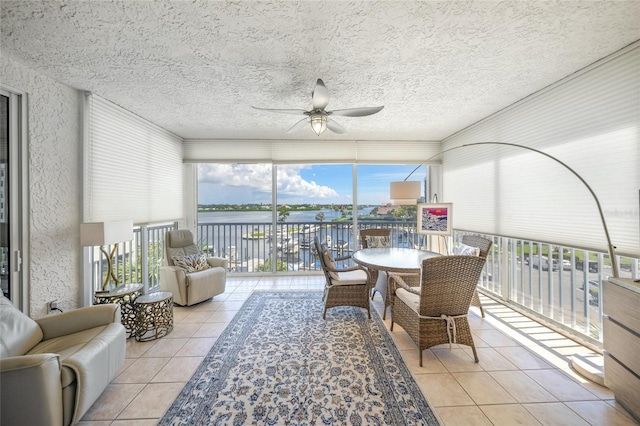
[(144, 258), (505, 287)]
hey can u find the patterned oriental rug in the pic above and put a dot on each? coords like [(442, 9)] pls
[(279, 363)]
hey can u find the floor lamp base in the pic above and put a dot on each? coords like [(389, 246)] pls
[(590, 367)]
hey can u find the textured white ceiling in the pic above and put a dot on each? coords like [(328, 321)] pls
[(196, 68)]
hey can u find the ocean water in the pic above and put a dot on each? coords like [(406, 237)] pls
[(265, 217)]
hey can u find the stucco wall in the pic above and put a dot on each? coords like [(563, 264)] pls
[(54, 186)]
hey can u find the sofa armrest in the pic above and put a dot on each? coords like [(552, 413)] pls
[(78, 320), (174, 280), (30, 390), (218, 262)]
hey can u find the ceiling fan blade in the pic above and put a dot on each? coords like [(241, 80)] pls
[(298, 125), (356, 112), (335, 127), (283, 111), (320, 95)]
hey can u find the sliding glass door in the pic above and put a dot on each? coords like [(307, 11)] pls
[(313, 200), (264, 217), (4, 196), (12, 197), (235, 214)]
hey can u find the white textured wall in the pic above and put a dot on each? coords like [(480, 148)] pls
[(54, 186)]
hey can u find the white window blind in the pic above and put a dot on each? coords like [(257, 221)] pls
[(591, 122), (307, 151), (133, 168)]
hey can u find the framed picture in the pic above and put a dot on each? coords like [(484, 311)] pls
[(434, 219)]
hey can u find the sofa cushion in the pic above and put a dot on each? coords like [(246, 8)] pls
[(192, 262), (412, 300), (357, 276), (181, 238), (66, 346), (18, 332)]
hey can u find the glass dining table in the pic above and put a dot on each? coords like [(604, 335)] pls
[(392, 259)]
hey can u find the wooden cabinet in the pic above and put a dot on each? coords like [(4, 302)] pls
[(621, 306)]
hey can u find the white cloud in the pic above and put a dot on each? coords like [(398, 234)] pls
[(258, 176)]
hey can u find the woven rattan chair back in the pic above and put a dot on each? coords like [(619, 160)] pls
[(320, 249), (373, 232), (448, 284), (352, 294), (477, 241), (484, 245), (378, 278)]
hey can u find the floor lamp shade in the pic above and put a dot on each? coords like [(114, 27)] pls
[(105, 233), (405, 192)]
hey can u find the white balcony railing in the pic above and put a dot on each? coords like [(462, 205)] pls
[(561, 285)]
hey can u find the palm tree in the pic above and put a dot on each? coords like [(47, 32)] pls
[(283, 213), (320, 217)]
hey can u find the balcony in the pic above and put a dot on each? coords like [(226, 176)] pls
[(560, 286)]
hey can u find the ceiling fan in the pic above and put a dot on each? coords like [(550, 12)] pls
[(318, 117)]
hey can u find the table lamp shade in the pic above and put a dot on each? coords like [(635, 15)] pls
[(105, 233)]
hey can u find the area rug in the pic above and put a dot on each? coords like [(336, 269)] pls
[(279, 363)]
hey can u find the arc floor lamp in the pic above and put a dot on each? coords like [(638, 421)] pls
[(407, 192)]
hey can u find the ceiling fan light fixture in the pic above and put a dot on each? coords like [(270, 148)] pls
[(318, 123), (318, 116)]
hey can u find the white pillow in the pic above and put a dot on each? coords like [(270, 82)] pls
[(465, 250), (378, 241)]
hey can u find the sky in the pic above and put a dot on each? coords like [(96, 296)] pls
[(298, 184)]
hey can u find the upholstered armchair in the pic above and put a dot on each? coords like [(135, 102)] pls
[(53, 369), (190, 275)]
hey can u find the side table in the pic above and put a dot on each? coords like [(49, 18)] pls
[(124, 296), (154, 315)]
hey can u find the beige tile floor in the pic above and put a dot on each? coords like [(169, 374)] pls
[(522, 378)]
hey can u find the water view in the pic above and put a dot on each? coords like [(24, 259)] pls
[(248, 240)]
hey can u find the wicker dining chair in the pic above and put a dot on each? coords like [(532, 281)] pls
[(484, 245), (436, 312), (348, 286), (378, 278)]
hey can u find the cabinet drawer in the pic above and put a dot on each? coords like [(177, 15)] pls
[(625, 385), (622, 344), (621, 303)]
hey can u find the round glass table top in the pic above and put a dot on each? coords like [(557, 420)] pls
[(122, 290), (394, 259), (154, 297)]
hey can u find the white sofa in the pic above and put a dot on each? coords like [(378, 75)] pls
[(53, 369)]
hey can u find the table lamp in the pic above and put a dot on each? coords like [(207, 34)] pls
[(103, 234)]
